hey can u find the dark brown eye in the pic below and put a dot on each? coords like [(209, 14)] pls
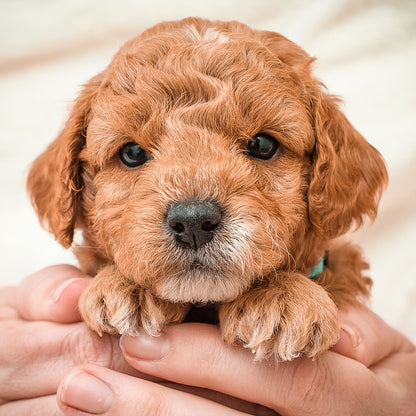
[(262, 146), (132, 155)]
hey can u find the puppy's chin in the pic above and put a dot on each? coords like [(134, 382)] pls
[(197, 285)]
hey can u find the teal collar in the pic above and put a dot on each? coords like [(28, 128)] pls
[(316, 270)]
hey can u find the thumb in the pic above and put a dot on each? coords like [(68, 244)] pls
[(51, 294), (365, 337), (99, 391)]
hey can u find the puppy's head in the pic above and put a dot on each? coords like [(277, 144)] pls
[(205, 157)]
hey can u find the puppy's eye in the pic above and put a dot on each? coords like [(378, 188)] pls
[(262, 146), (132, 155)]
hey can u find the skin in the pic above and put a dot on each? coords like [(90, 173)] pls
[(371, 370)]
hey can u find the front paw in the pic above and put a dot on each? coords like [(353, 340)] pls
[(272, 324), (115, 305), (107, 309)]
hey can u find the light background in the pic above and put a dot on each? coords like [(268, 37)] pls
[(366, 54)]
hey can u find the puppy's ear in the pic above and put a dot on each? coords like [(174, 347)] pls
[(288, 52), (348, 173), (54, 182)]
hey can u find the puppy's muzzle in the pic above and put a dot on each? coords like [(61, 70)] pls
[(193, 223)]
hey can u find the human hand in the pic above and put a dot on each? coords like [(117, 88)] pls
[(375, 375), (42, 340), (32, 366)]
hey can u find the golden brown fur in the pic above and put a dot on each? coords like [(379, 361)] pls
[(192, 94)]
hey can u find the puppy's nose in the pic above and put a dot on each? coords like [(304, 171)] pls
[(193, 223)]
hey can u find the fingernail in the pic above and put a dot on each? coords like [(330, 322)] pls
[(350, 336), (87, 393), (56, 296), (145, 347)]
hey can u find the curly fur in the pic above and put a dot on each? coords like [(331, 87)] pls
[(192, 93)]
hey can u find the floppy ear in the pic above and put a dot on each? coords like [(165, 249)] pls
[(348, 173), (288, 52), (54, 182)]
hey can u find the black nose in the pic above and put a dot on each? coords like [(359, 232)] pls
[(193, 223)]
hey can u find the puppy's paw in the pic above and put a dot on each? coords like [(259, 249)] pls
[(107, 309), (112, 304), (273, 324)]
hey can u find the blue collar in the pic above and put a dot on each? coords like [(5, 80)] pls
[(316, 270)]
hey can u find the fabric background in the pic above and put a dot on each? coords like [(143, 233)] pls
[(366, 54)]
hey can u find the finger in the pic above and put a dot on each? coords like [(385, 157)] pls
[(224, 399), (40, 406), (398, 372), (51, 294), (7, 303), (194, 354), (35, 356), (365, 337), (100, 391)]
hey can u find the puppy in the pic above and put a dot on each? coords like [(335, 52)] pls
[(206, 165)]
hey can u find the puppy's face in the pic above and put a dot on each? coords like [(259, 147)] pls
[(209, 124), (199, 166)]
